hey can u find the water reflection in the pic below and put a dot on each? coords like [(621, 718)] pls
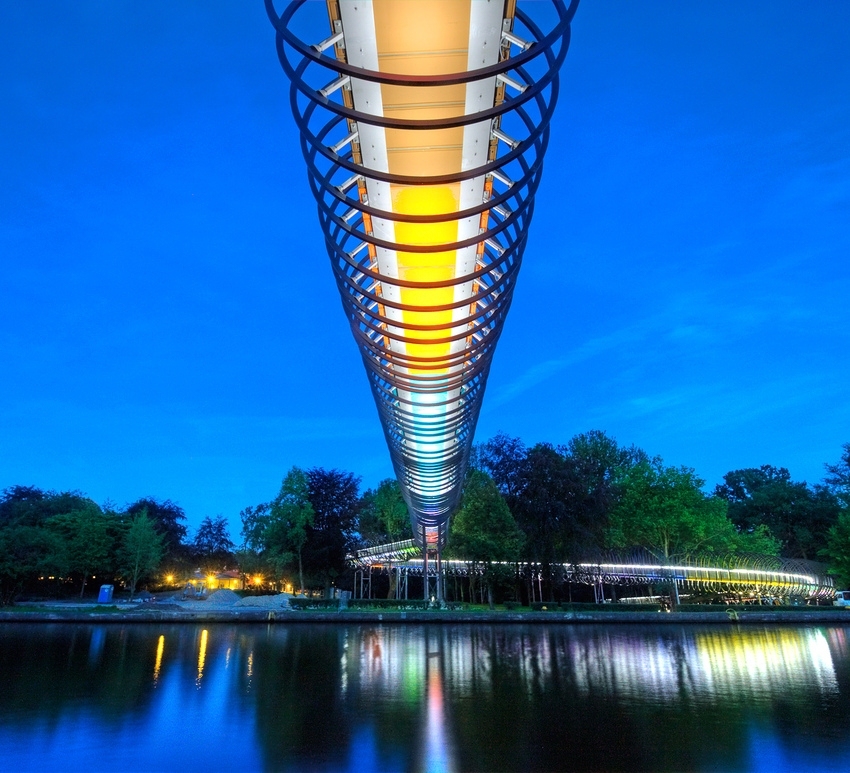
[(429, 698), (202, 656), (160, 648)]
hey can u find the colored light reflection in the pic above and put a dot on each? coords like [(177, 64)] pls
[(160, 648), (438, 749), (388, 664), (202, 656)]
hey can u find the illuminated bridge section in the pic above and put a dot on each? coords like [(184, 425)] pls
[(424, 124), (759, 575)]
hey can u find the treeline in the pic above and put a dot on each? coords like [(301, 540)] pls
[(585, 499), (546, 504), (550, 504), (51, 543)]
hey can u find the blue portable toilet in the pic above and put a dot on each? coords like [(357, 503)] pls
[(105, 595)]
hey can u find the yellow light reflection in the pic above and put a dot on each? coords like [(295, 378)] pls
[(774, 657), (202, 656), (160, 648)]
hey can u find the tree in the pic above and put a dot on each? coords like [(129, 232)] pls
[(383, 514), (37, 544), (290, 515), (597, 464), (167, 518), (255, 520), (838, 477), (212, 543), (798, 516), (663, 510), (30, 506), (87, 536), (503, 458), (141, 551), (837, 550), (25, 552), (483, 530), (561, 497), (335, 498)]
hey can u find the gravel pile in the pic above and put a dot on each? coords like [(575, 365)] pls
[(223, 596), (266, 602)]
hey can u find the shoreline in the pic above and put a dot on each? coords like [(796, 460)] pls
[(172, 614)]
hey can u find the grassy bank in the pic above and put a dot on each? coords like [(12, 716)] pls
[(416, 612)]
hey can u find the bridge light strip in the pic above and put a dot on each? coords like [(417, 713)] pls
[(401, 554), (424, 135), (689, 571)]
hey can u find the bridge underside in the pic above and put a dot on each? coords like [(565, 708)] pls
[(424, 124)]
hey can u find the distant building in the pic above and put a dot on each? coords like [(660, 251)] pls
[(207, 583)]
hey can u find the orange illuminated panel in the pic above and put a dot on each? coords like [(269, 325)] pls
[(424, 37), (426, 267)]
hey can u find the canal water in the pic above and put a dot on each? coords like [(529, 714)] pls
[(326, 697)]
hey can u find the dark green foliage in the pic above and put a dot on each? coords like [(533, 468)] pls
[(664, 510), (141, 550), (837, 550), (212, 546), (561, 497), (29, 506), (485, 533), (797, 515), (25, 553), (167, 518), (52, 534), (88, 536), (838, 477), (286, 522), (334, 496), (383, 515), (484, 530), (304, 602), (389, 604), (307, 530)]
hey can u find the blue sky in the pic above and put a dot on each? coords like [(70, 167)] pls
[(169, 325)]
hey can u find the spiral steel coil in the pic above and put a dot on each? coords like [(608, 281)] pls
[(426, 339), (756, 575)]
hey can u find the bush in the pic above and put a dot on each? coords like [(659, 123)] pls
[(303, 602), (388, 604), (512, 605), (614, 608)]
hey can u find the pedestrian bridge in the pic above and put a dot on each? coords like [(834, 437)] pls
[(740, 575)]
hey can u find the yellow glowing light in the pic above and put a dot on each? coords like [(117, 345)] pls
[(426, 267), (210, 580), (258, 580), (169, 578), (424, 37)]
